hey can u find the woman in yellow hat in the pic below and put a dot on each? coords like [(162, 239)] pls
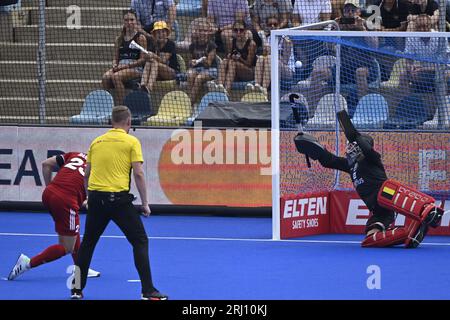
[(161, 60)]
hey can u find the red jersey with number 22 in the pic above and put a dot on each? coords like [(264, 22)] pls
[(69, 181)]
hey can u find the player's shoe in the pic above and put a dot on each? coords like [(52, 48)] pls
[(434, 217), (76, 294), (93, 274), (22, 265), (155, 295), (418, 230), (416, 236)]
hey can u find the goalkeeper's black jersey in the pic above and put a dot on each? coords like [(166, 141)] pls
[(367, 175)]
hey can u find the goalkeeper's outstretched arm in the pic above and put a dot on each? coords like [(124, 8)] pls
[(331, 161), (310, 146)]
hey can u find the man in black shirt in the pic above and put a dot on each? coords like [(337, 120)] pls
[(418, 7), (381, 196), (394, 14)]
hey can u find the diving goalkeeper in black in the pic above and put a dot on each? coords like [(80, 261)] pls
[(367, 172), (383, 197)]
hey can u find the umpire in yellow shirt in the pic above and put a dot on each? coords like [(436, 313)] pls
[(107, 177)]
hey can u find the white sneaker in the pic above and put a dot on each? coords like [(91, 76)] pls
[(249, 87), (93, 274), (264, 91), (221, 88), (22, 265), (258, 88)]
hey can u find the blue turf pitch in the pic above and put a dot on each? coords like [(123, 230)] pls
[(226, 258)]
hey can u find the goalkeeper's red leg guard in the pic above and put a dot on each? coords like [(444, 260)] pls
[(404, 200), (387, 238), (409, 202), (417, 206)]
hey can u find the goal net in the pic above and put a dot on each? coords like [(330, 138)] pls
[(394, 87)]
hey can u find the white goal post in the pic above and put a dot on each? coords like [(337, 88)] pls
[(441, 114)]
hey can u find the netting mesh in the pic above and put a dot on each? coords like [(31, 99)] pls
[(295, 176), (388, 85), (72, 68), (383, 82), (55, 56)]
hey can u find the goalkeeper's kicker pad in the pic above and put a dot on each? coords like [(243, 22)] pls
[(308, 145), (385, 238)]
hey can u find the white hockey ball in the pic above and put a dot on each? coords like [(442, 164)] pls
[(298, 64)]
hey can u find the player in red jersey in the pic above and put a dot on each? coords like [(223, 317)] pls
[(63, 197)]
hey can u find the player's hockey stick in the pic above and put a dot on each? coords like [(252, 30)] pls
[(299, 118)]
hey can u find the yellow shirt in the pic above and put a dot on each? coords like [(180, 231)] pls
[(110, 156)]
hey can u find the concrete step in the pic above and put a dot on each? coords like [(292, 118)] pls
[(58, 51), (68, 89), (54, 70), (34, 120), (29, 107), (80, 3), (61, 34), (89, 3), (88, 16), (6, 27)]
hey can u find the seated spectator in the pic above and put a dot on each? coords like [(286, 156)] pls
[(240, 62), (419, 76), (128, 63), (203, 65), (262, 68), (264, 9), (394, 17), (307, 12), (149, 11), (356, 66), (394, 14), (417, 7), (311, 11), (354, 70), (224, 14), (199, 27), (351, 12), (162, 63)]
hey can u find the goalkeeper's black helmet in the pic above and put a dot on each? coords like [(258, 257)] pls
[(354, 153)]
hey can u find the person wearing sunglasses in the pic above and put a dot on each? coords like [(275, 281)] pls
[(224, 15), (263, 62), (239, 65)]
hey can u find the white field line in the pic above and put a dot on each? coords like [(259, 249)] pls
[(218, 239)]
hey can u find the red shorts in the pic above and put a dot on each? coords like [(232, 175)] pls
[(64, 212)]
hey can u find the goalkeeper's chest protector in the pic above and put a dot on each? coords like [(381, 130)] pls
[(367, 178)]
